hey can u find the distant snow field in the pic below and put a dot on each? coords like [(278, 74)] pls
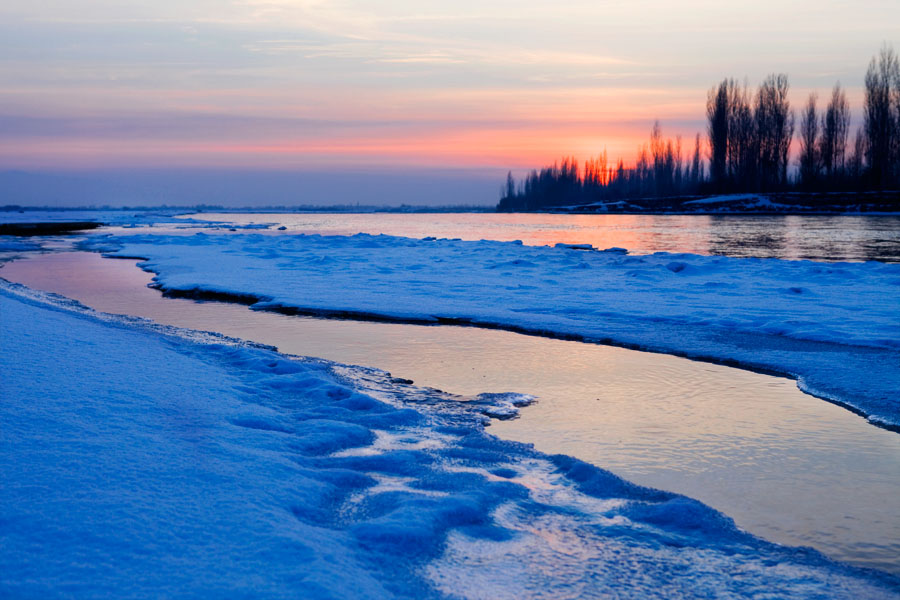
[(139, 460)]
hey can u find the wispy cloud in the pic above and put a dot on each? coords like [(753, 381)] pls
[(406, 81)]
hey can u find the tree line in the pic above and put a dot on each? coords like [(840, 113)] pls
[(747, 149)]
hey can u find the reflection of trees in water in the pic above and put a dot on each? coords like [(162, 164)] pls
[(847, 238), (830, 249), (820, 238), (884, 250), (881, 249), (868, 237), (830, 238), (763, 237)]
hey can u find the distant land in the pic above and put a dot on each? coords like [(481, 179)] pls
[(782, 203)]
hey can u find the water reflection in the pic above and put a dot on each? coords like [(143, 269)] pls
[(827, 238), (731, 235), (786, 466)]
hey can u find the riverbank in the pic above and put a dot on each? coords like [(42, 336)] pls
[(779, 203)]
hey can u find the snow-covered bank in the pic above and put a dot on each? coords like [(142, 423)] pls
[(834, 326), (111, 216), (143, 461), (129, 218), (780, 203)]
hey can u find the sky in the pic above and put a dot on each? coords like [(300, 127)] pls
[(462, 90)]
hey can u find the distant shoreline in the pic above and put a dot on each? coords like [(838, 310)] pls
[(780, 203), (885, 203), (42, 228)]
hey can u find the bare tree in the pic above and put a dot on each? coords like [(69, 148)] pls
[(717, 116), (856, 160), (742, 138), (749, 147), (809, 144), (835, 129), (678, 167), (775, 129), (895, 96), (642, 175), (880, 119), (510, 190), (658, 155), (696, 166)]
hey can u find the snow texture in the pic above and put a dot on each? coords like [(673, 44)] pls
[(751, 199), (833, 326), (144, 461)]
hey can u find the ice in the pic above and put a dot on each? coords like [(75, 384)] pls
[(144, 461), (575, 246), (733, 198), (126, 218), (112, 216), (15, 244), (833, 326)]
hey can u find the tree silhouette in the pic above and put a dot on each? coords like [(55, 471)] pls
[(749, 137), (856, 161), (882, 113), (717, 115), (809, 145), (696, 175), (835, 128), (743, 139), (775, 127)]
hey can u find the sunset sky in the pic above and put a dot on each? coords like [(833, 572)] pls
[(464, 86)]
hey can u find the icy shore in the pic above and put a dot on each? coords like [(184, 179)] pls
[(834, 326), (141, 460)]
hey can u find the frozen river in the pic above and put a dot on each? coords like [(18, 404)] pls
[(786, 466)]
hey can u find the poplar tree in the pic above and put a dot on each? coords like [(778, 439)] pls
[(809, 144)]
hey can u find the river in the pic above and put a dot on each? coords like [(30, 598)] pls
[(786, 466)]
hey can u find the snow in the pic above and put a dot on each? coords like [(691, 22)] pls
[(129, 218), (751, 198), (743, 202), (16, 244), (118, 217), (144, 461), (834, 326)]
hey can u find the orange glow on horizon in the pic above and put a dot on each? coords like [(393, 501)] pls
[(515, 149), (515, 129)]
